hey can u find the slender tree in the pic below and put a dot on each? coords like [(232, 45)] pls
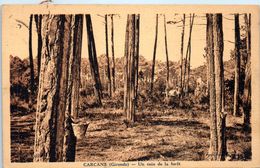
[(72, 101), (246, 98), (54, 137), (132, 41), (107, 59), (137, 34), (113, 54), (186, 62), (154, 53), (208, 72), (167, 59), (182, 44), (210, 51), (248, 33), (76, 62), (188, 70), (93, 60), (126, 80), (38, 22), (237, 66), (219, 79), (32, 84), (188, 54)]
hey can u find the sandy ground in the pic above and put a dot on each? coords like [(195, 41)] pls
[(161, 134)]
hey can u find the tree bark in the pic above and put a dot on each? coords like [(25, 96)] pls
[(137, 34), (38, 22), (219, 80), (72, 104), (237, 66), (215, 47), (249, 35), (52, 135), (182, 44), (246, 99), (32, 84), (189, 51), (94, 68), (132, 40), (184, 85), (76, 64), (108, 62), (188, 71), (247, 96), (154, 53), (132, 71), (167, 59), (126, 80), (113, 55), (211, 66), (208, 71)]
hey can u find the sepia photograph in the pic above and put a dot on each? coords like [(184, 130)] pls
[(131, 86)]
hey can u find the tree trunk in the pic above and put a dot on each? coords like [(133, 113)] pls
[(52, 135), (249, 35), (154, 53), (108, 62), (213, 118), (38, 21), (113, 55), (219, 80), (188, 71), (137, 33), (182, 44), (185, 70), (208, 71), (72, 104), (237, 66), (130, 103), (77, 47), (32, 84), (132, 40), (126, 80), (247, 96), (208, 50), (93, 60), (215, 47), (246, 99), (167, 59), (184, 85), (189, 56)]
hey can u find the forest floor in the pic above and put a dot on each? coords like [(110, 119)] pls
[(160, 133)]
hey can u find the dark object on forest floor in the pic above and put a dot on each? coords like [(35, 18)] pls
[(80, 129), (128, 124)]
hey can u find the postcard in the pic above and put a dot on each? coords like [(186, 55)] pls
[(130, 86)]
